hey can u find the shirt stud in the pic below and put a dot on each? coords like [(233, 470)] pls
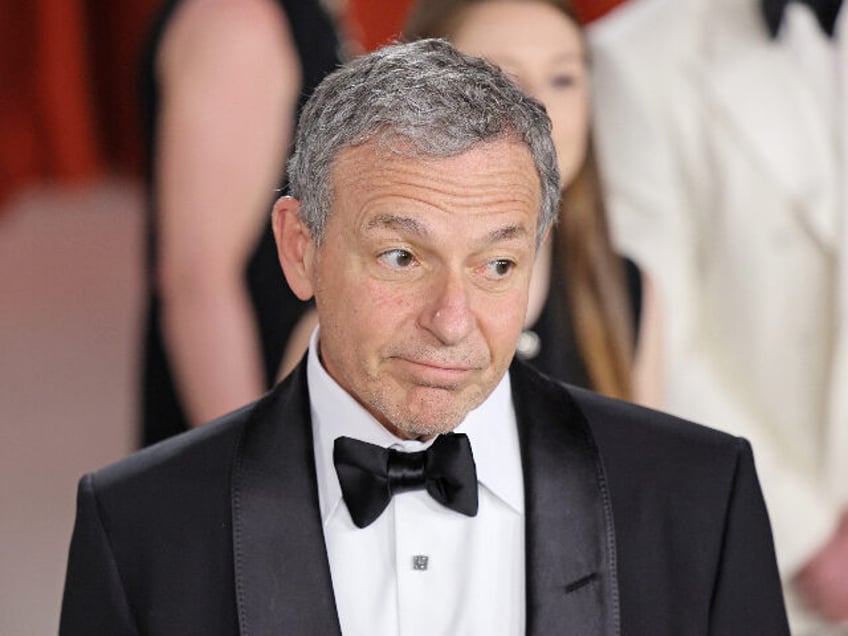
[(419, 562)]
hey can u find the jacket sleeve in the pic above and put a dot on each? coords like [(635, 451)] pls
[(94, 601), (747, 596)]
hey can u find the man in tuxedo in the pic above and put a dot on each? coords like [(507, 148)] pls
[(409, 477)]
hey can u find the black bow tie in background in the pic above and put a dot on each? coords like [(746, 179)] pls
[(369, 475), (826, 12)]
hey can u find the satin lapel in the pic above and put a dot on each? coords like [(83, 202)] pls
[(757, 90), (572, 585), (283, 583)]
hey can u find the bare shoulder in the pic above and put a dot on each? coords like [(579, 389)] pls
[(234, 32)]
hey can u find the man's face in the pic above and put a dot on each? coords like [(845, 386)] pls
[(422, 278)]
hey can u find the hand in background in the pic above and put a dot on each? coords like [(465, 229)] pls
[(823, 581)]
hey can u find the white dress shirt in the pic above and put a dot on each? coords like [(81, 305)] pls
[(474, 578)]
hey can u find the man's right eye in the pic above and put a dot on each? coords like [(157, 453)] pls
[(397, 258)]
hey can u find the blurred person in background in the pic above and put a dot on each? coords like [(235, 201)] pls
[(592, 318), (224, 80), (723, 135)]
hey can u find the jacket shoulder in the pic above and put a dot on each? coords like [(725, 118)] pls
[(628, 421), (690, 522), (633, 430), (162, 520), (181, 455), (215, 444)]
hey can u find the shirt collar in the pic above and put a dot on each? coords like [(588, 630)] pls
[(491, 429)]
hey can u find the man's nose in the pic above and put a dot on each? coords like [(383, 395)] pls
[(449, 315)]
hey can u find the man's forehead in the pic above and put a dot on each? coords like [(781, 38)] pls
[(504, 156), (380, 190), (389, 147)]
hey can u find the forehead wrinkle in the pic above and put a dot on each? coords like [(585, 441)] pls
[(377, 179), (446, 189), (444, 193)]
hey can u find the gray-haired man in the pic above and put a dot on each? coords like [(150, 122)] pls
[(348, 499)]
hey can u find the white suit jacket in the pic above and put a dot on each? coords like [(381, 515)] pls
[(723, 182)]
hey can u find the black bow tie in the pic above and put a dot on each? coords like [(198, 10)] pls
[(826, 12), (369, 475)]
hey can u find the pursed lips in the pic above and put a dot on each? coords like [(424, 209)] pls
[(438, 373)]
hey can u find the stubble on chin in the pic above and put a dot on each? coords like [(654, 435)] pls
[(421, 417)]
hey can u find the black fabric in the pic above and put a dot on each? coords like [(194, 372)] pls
[(633, 284), (276, 309), (672, 482), (826, 11), (370, 475), (637, 523), (158, 552), (282, 574), (570, 542)]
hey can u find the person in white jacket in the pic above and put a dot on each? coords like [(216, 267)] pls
[(722, 128)]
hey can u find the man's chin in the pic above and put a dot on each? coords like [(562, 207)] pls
[(432, 411), (421, 430)]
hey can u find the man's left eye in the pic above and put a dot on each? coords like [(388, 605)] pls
[(499, 268), (397, 258)]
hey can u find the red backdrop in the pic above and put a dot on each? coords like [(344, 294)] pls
[(69, 80)]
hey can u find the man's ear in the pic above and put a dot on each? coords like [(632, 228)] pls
[(295, 247)]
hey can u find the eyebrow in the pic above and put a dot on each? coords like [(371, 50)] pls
[(393, 221), (507, 233)]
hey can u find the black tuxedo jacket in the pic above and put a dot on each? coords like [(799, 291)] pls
[(636, 523)]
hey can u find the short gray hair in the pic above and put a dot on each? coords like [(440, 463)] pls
[(421, 99)]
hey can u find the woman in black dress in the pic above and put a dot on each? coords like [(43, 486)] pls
[(223, 81)]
